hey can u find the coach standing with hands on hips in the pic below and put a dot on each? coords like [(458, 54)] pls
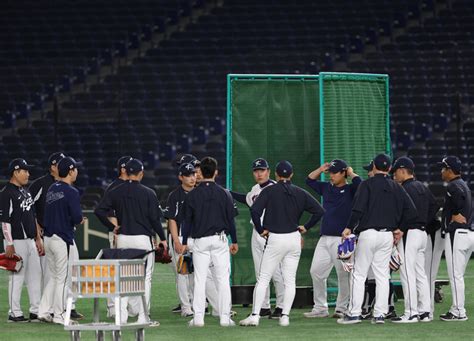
[(62, 213), (381, 210), (209, 217), (283, 204)]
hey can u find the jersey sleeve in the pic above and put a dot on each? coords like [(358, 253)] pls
[(172, 207), (232, 212), (360, 204), (457, 197), (74, 205), (318, 186), (155, 214), (356, 181)]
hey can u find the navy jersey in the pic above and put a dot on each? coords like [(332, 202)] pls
[(62, 211), (38, 190), (457, 200), (136, 208), (284, 204), (17, 209), (337, 201), (103, 219), (175, 206), (209, 210), (424, 201), (382, 204)]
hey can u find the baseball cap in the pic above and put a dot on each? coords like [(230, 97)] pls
[(186, 169), (403, 162), (337, 165), (65, 165), (382, 162), (260, 164), (452, 162), (134, 166), (16, 164), (185, 158), (55, 158), (284, 168), (123, 161), (196, 163), (369, 167)]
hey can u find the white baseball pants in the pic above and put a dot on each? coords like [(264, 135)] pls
[(433, 253), (184, 283)]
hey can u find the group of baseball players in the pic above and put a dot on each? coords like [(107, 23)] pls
[(388, 225)]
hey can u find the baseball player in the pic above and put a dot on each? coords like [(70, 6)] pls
[(369, 294), (283, 204), (337, 201), (381, 210), (138, 220), (17, 215), (175, 216), (261, 174), (122, 177), (412, 247), (209, 217), (459, 240), (62, 212)]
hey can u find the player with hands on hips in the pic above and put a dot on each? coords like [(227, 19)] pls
[(381, 210), (261, 174), (337, 201), (283, 204)]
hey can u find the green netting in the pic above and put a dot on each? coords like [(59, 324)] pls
[(276, 119), (354, 109)]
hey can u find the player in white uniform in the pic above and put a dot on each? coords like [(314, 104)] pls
[(261, 173)]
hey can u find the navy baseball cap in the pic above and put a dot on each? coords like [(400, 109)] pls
[(260, 164), (123, 161), (382, 162), (403, 162), (196, 163), (337, 165), (17, 164), (284, 169), (185, 158), (65, 165), (452, 162), (134, 166), (55, 158), (369, 167), (186, 169)]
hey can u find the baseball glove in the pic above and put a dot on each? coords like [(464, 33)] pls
[(395, 260), (347, 247), (11, 264), (184, 265), (162, 255)]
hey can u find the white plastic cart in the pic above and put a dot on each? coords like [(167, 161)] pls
[(113, 279)]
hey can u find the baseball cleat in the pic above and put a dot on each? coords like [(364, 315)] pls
[(228, 323), (366, 315), (284, 321), (34, 318), (17, 319), (46, 318), (177, 309), (405, 319), (75, 315), (276, 313), (316, 314), (265, 312), (378, 320), (193, 323), (250, 321), (153, 324), (450, 317), (425, 317), (349, 319), (337, 314)]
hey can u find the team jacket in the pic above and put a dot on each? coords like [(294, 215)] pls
[(457, 200), (209, 210), (424, 201), (174, 206), (136, 208), (380, 203), (284, 204), (337, 201), (38, 190), (62, 211), (103, 219), (17, 209)]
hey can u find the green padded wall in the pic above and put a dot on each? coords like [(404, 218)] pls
[(275, 118)]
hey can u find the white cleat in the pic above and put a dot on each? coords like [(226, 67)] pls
[(250, 321), (228, 323), (316, 314), (187, 313), (284, 321), (405, 319), (193, 323)]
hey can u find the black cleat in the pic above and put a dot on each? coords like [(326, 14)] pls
[(75, 315), (176, 309), (366, 315), (391, 314), (265, 312), (18, 319), (34, 318), (378, 320), (349, 319), (449, 317), (276, 313)]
